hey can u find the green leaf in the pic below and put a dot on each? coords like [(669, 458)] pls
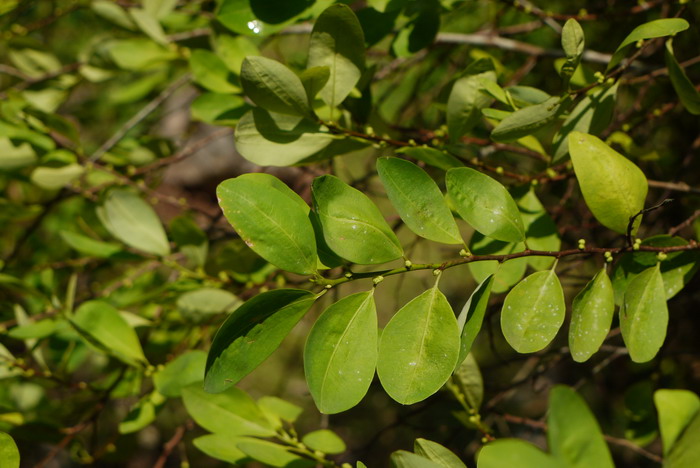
[(467, 377), (206, 301), (113, 13), (528, 120), (418, 200), (220, 109), (270, 222), (149, 25), (506, 274), (341, 353), (139, 53), (404, 459), (15, 157), (324, 441), (598, 169), (141, 414), (314, 79), (533, 312), (689, 96), (269, 139), (337, 42), (89, 246), (465, 103), (54, 178), (9, 453), (102, 323), (591, 115), (221, 446), (432, 156), (159, 9), (514, 452), (677, 270), (591, 316), (251, 333), (572, 40), (273, 454), (437, 453), (353, 227), (676, 409), (644, 315), (211, 72), (418, 348), (472, 316), (279, 408), (131, 220), (274, 87), (686, 451), (540, 230), (657, 28), (184, 370), (233, 50), (418, 33), (573, 433), (231, 413), (485, 204), (238, 16)]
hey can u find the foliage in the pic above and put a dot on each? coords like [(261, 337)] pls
[(390, 161)]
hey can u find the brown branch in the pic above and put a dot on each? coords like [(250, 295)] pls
[(527, 7), (674, 230), (170, 446)]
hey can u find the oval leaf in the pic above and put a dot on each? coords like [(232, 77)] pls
[(676, 409), (251, 333), (591, 316), (686, 451), (337, 42), (573, 433), (418, 349), (689, 96), (9, 453), (657, 28), (418, 200), (506, 274), (341, 353), (472, 316), (353, 227), (465, 103), (485, 204), (528, 120), (274, 87), (533, 312), (325, 441), (598, 169), (211, 72), (514, 452), (131, 220), (102, 323), (270, 222), (644, 315), (437, 453), (184, 370), (432, 156), (220, 446), (404, 459)]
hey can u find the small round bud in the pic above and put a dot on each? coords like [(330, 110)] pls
[(328, 286), (377, 279), (408, 264), (534, 182), (608, 257), (551, 173), (499, 170), (661, 256), (465, 253), (348, 274), (437, 272)]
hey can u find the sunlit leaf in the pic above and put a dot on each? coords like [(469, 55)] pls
[(472, 316), (657, 28), (437, 453), (9, 453), (184, 370), (514, 452), (591, 316), (676, 409), (274, 87), (465, 103), (211, 72), (324, 441), (528, 120)]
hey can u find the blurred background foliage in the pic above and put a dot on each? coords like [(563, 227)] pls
[(145, 95)]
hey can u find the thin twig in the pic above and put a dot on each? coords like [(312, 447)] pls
[(674, 230), (170, 446)]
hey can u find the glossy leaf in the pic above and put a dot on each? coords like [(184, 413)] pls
[(485, 204), (231, 413), (418, 200), (341, 353), (591, 115), (337, 42), (103, 324), (644, 315), (211, 72), (325, 441), (472, 316), (269, 139), (274, 87), (657, 28), (353, 227), (689, 96), (686, 451), (506, 274), (540, 230), (220, 446), (528, 120), (533, 312), (251, 333), (591, 316), (432, 156), (131, 220), (9, 453), (184, 370), (676, 409), (465, 103), (404, 459), (437, 453), (418, 348), (514, 452), (573, 433), (598, 168), (676, 271), (270, 222)]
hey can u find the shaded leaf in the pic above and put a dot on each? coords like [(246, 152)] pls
[(528, 120), (54, 178), (274, 87), (9, 453), (506, 274), (272, 454), (657, 28), (251, 333), (676, 409), (184, 370), (314, 79), (686, 451), (598, 168), (404, 459), (467, 377), (540, 230), (220, 446), (472, 316), (689, 96), (418, 200), (465, 103), (591, 316), (533, 312), (514, 452), (89, 246), (341, 353), (432, 156), (211, 72), (437, 453), (644, 315)]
